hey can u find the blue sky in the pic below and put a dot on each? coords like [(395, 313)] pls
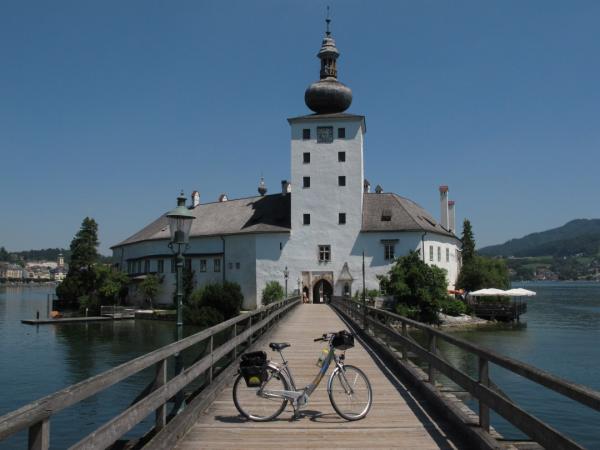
[(108, 109)]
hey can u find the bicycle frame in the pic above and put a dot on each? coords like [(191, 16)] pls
[(299, 396)]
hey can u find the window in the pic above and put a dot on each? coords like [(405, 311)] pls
[(306, 133), (188, 263), (447, 255), (386, 215), (342, 218), (324, 253), (341, 180), (160, 266), (146, 265), (202, 265), (439, 254), (341, 133), (306, 219), (306, 182), (230, 266), (217, 265), (139, 266), (306, 157), (129, 266), (388, 251), (173, 265), (237, 265), (431, 253), (341, 156), (324, 135)]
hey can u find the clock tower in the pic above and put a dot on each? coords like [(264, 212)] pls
[(327, 169)]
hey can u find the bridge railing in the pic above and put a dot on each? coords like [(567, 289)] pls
[(241, 331), (395, 329)]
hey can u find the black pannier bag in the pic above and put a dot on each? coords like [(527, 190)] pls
[(253, 368), (343, 340)]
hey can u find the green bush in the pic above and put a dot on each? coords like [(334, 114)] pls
[(406, 311), (225, 299), (272, 293), (452, 307)]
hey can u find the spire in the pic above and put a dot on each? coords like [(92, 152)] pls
[(328, 95), (262, 189)]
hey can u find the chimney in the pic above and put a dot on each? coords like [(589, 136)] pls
[(444, 206), (452, 216), (366, 186), (195, 199), (223, 198), (286, 187)]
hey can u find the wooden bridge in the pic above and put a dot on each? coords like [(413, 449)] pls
[(410, 410)]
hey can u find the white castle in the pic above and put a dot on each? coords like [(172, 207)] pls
[(316, 230)]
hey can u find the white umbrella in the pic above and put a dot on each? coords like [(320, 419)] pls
[(520, 292), (491, 292)]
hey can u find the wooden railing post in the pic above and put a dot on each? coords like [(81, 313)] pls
[(404, 346), (39, 435), (250, 335), (484, 380), (235, 336), (212, 361), (433, 351), (160, 379)]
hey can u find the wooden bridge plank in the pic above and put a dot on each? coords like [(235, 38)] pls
[(395, 420)]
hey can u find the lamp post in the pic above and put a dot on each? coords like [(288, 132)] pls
[(286, 274), (180, 223)]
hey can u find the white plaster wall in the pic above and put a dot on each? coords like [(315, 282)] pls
[(241, 249), (452, 267)]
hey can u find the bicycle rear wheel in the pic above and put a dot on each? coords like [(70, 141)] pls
[(350, 392), (254, 403)]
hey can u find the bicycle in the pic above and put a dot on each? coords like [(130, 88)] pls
[(262, 391)]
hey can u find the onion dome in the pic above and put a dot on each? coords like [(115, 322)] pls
[(328, 95), (262, 189)]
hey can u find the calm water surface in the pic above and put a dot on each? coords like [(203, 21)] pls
[(561, 334), (38, 360)]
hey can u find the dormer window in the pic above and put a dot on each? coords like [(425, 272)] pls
[(386, 215)]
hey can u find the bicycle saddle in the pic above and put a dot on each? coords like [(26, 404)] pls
[(279, 345)]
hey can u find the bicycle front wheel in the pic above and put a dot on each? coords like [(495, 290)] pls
[(350, 392), (260, 403)]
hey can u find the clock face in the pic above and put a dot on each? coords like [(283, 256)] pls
[(325, 135)]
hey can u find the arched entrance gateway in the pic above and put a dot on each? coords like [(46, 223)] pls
[(322, 291)]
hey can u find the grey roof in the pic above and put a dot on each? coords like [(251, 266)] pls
[(261, 214), (272, 214), (332, 116), (406, 215)]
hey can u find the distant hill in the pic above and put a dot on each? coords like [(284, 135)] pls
[(580, 236)]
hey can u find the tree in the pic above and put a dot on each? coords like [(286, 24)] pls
[(272, 292), (468, 242), (417, 287), (149, 288), (479, 272), (84, 246)]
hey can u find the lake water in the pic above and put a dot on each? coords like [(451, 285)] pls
[(38, 360), (560, 333)]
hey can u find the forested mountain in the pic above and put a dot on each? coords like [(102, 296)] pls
[(47, 254), (578, 237)]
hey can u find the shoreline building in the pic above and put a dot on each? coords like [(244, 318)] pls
[(316, 229)]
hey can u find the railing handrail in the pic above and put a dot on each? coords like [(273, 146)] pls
[(41, 409), (577, 392), (483, 389)]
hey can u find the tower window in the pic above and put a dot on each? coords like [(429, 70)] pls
[(306, 133), (342, 218), (324, 253), (341, 156), (306, 157), (341, 133), (305, 182), (341, 180), (306, 219), (324, 135)]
